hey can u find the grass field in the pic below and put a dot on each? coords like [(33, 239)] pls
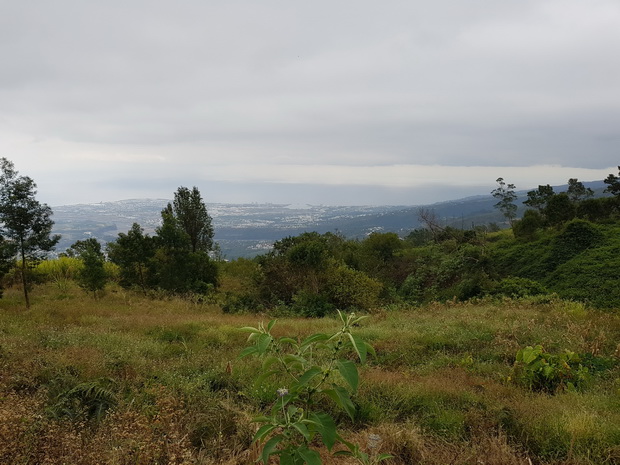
[(130, 380)]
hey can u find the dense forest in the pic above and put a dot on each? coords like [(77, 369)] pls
[(486, 340)]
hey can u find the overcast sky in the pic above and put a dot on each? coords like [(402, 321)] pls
[(321, 102)]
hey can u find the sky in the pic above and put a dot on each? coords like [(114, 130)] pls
[(326, 102)]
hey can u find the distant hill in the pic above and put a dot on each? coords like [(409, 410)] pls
[(246, 230)]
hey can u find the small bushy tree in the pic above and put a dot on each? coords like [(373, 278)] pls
[(92, 276), (26, 223), (132, 252), (539, 198)]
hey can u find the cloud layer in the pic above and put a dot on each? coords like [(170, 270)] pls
[(402, 95)]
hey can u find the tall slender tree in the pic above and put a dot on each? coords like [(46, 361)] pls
[(505, 193), (191, 213), (26, 224)]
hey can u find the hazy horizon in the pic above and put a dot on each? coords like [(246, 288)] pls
[(403, 102)]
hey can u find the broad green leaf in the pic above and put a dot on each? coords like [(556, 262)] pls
[(270, 325), (262, 432), (264, 376), (350, 445), (286, 459), (308, 375), (358, 319), (359, 346), (249, 329), (303, 430), (270, 447), (312, 339), (340, 395), (311, 457), (263, 343), (260, 419), (326, 427), (370, 349), (382, 457), (346, 401), (247, 351), (348, 370), (287, 340), (290, 358), (270, 360)]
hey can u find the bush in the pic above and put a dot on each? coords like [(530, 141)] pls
[(545, 372), (347, 288), (515, 287)]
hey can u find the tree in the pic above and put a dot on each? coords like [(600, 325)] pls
[(613, 184), (577, 191), (92, 276), (81, 246), (132, 252), (176, 267), (26, 223), (191, 213), (506, 195), (538, 198), (559, 209)]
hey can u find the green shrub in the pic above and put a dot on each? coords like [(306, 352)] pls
[(313, 305), (352, 289), (542, 371), (314, 371), (515, 287)]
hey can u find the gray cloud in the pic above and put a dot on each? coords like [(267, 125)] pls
[(162, 90)]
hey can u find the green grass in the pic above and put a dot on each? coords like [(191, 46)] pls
[(134, 380)]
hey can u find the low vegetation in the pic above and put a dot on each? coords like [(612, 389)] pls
[(129, 379), (474, 346)]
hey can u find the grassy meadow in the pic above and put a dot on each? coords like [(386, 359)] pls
[(127, 379)]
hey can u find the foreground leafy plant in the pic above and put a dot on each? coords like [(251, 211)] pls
[(315, 370), (542, 371)]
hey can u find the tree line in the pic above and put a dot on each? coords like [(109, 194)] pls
[(314, 274), (176, 259)]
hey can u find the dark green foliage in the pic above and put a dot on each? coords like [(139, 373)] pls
[(597, 210), (26, 223), (591, 276), (170, 261), (527, 227), (79, 247), (313, 305), (577, 192), (85, 401), (419, 237), (190, 211), (613, 183), (581, 262), (515, 287), (241, 302), (539, 198), (559, 209), (181, 263), (310, 273), (132, 252), (576, 236), (92, 276)]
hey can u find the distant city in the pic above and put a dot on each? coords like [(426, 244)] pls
[(247, 230)]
